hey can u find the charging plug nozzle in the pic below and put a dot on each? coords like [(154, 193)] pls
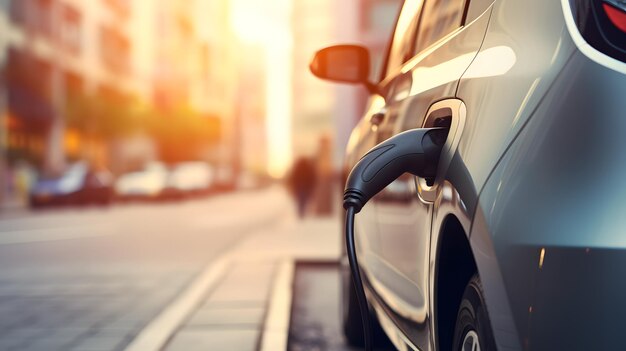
[(415, 151)]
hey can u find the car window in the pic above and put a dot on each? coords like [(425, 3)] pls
[(378, 18), (439, 18), (403, 39)]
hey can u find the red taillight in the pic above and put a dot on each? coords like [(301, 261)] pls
[(616, 15), (602, 24)]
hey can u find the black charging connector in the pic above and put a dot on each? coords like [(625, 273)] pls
[(415, 151)]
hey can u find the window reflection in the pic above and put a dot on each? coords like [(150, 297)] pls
[(400, 191), (405, 31), (440, 17)]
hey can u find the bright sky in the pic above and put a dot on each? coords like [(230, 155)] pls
[(268, 23)]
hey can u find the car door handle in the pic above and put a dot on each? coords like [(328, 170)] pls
[(378, 117)]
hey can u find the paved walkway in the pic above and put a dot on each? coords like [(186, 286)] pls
[(91, 279), (243, 301)]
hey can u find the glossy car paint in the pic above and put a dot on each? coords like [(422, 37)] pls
[(560, 245), (562, 106), (499, 105), (534, 178)]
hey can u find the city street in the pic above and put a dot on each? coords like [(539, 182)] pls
[(93, 278), (193, 160)]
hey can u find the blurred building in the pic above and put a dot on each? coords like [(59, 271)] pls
[(67, 63), (177, 50), (50, 51), (264, 89), (313, 100), (251, 109), (217, 94), (184, 51), (188, 54)]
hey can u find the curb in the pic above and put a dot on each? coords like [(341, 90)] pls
[(158, 332), (275, 333)]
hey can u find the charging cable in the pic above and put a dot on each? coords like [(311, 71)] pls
[(415, 151), (356, 277)]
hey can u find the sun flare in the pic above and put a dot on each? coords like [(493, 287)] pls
[(268, 23)]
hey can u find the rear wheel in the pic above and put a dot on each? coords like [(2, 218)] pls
[(473, 328)]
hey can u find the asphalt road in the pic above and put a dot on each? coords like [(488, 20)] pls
[(91, 279)]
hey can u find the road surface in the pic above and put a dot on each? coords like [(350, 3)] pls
[(91, 279)]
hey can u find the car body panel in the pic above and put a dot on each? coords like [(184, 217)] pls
[(544, 114), (561, 260), (399, 246), (514, 80), (525, 48), (476, 8), (521, 89)]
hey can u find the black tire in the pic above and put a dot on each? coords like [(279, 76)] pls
[(351, 316), (472, 321)]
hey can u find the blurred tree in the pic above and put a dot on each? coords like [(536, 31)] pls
[(101, 118), (94, 121), (182, 134)]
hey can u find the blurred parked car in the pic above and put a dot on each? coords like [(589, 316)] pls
[(78, 185), (224, 178), (247, 181), (145, 184), (190, 178), (518, 242)]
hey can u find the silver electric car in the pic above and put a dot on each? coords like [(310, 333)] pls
[(519, 241)]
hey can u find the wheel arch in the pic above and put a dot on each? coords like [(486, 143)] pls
[(453, 267)]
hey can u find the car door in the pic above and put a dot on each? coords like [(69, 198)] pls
[(365, 135), (442, 41)]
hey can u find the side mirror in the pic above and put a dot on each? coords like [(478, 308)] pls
[(342, 63)]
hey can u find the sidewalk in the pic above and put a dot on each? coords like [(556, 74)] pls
[(243, 301)]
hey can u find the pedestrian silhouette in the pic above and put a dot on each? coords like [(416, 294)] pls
[(302, 183)]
